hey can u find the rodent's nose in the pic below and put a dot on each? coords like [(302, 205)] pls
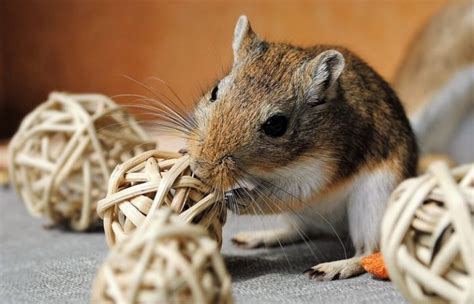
[(206, 170)]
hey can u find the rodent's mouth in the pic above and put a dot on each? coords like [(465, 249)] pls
[(233, 199), (239, 196)]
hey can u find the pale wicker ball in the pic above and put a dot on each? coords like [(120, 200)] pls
[(428, 236), (164, 261), (141, 185), (61, 157)]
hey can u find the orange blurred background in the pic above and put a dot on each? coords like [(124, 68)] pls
[(87, 46)]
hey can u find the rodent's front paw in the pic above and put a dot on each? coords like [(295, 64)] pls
[(248, 240), (336, 270)]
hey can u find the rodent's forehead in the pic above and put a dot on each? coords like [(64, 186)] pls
[(273, 70), (258, 86), (262, 80)]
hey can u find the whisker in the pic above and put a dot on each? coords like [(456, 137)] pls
[(254, 210), (264, 240), (163, 119), (149, 89), (257, 181), (169, 89), (300, 232), (153, 104)]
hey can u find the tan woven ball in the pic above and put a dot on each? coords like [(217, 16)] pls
[(141, 185), (64, 151), (428, 236), (164, 261)]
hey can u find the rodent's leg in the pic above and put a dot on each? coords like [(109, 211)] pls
[(267, 238), (365, 209)]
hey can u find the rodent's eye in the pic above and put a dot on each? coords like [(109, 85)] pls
[(275, 126), (214, 93)]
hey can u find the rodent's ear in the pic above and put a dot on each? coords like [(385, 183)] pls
[(324, 70), (243, 37)]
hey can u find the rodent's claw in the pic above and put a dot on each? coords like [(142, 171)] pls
[(335, 270), (319, 275)]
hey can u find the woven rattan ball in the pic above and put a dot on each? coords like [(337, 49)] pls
[(164, 261), (64, 152), (141, 185), (428, 236)]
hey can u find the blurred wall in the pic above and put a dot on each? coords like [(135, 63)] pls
[(87, 46)]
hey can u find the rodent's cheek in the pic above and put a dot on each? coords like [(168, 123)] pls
[(260, 170), (193, 145)]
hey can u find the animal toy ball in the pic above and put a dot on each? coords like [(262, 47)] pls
[(145, 183), (165, 260), (427, 236), (61, 157)]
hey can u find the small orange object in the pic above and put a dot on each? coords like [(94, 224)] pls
[(374, 265)]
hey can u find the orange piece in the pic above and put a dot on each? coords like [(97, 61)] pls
[(374, 265)]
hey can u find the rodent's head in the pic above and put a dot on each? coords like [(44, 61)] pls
[(266, 113)]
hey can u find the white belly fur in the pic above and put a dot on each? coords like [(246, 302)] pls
[(356, 208)]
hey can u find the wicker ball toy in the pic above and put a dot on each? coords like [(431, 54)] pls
[(64, 151), (141, 185), (428, 236), (164, 261)]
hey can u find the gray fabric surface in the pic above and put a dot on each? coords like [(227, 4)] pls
[(38, 265)]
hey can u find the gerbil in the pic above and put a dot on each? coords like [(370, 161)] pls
[(312, 129)]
